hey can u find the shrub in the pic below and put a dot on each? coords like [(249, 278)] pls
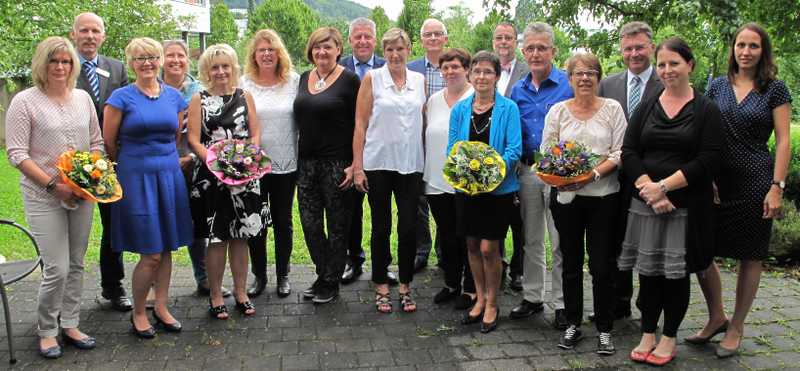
[(785, 242), (793, 175)]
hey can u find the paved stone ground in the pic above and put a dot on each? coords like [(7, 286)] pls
[(292, 334)]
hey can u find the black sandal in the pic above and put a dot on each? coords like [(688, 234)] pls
[(215, 312), (246, 306)]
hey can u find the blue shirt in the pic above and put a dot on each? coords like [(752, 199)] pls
[(534, 104)]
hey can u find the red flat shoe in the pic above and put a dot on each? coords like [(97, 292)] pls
[(640, 357), (655, 360)]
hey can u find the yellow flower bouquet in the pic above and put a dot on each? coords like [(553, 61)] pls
[(474, 167), (90, 175)]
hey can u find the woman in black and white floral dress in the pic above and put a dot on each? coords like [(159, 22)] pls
[(226, 215)]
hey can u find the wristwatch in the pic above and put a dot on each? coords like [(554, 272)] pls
[(780, 183), (597, 175)]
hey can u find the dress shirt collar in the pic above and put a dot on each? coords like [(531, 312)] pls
[(553, 77), (644, 76), (388, 81), (370, 62), (94, 60)]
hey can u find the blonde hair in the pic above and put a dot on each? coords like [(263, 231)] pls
[(41, 60), (216, 52), (143, 45), (284, 66), (393, 35), (322, 35)]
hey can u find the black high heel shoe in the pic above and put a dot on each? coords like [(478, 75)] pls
[(168, 327), (149, 333), (488, 327), (468, 320)]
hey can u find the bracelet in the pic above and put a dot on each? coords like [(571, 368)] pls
[(597, 175), (663, 186), (51, 185)]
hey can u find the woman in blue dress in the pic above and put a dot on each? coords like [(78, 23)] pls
[(754, 104), (152, 219)]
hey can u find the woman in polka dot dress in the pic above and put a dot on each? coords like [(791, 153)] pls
[(753, 104)]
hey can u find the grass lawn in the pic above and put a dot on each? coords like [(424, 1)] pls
[(15, 245)]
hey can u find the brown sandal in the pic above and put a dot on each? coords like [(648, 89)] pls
[(407, 302), (382, 303)]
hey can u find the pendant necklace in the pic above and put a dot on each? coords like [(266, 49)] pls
[(475, 125), (321, 84)]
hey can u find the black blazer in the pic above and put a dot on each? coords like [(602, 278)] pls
[(616, 87), (347, 62), (699, 172), (117, 77)]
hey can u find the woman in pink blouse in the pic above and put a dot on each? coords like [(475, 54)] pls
[(41, 123)]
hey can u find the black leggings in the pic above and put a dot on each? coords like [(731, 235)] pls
[(661, 294)]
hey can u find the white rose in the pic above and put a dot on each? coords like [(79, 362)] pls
[(100, 189), (88, 168), (248, 161), (101, 165), (239, 147)]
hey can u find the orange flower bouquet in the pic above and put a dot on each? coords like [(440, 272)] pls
[(564, 163), (90, 175)]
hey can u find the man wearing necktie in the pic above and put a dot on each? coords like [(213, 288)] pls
[(630, 88), (362, 40), (99, 77)]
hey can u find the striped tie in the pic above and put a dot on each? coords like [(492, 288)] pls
[(635, 95), (91, 75)]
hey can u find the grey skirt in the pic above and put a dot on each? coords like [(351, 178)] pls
[(655, 245)]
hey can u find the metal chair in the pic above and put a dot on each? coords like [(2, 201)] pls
[(14, 271)]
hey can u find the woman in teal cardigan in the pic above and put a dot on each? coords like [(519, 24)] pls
[(483, 219)]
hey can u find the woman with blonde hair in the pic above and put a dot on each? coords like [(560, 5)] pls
[(271, 80), (227, 216), (141, 127), (42, 122)]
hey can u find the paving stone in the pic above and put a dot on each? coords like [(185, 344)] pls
[(301, 362), (375, 359)]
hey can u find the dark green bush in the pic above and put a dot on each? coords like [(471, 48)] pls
[(785, 243), (793, 176)]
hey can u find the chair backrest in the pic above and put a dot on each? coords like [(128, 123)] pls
[(13, 271)]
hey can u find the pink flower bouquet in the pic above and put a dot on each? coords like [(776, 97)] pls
[(236, 162)]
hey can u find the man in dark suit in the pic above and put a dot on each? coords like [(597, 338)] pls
[(362, 40), (99, 77), (630, 87), (504, 43)]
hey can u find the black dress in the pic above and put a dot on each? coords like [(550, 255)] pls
[(221, 212), (485, 216), (747, 168)]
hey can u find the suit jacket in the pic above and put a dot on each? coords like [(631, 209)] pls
[(518, 73), (417, 65), (347, 62), (616, 87), (118, 77)]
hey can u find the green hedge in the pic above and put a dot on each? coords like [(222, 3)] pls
[(793, 176), (785, 242)]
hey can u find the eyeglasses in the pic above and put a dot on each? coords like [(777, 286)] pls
[(65, 62), (530, 49), (585, 74), (482, 72), (434, 34), (634, 48), (146, 58), (504, 38)]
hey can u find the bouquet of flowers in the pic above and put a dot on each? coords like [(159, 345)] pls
[(90, 175), (474, 167), (566, 162), (236, 162)]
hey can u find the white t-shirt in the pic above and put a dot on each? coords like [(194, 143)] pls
[(275, 111), (436, 137), (394, 136)]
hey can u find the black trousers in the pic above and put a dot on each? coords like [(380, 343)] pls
[(659, 294), (406, 189), (325, 207), (355, 253), (278, 191), (112, 271), (453, 255), (594, 218)]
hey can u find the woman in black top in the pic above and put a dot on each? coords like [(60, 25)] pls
[(325, 113), (670, 154)]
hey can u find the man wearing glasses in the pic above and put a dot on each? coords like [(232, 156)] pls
[(99, 77), (542, 88)]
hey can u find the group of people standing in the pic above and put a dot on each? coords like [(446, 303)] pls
[(684, 176)]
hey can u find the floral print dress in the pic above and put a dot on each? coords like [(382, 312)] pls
[(222, 212)]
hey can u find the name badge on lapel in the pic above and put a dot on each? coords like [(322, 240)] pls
[(102, 72)]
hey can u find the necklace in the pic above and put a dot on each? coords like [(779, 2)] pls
[(482, 107), (146, 93), (321, 84), (475, 125)]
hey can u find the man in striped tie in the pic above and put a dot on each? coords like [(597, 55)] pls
[(99, 77), (630, 88)]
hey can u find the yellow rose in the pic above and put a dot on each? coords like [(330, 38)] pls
[(473, 188), (100, 189), (462, 182), (488, 161), (474, 165)]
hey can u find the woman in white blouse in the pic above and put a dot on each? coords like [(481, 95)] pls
[(599, 123), (454, 64), (41, 123), (388, 159), (271, 80)]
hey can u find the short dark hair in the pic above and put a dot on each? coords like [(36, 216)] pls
[(322, 35), (484, 56), (766, 68), (677, 45), (458, 54), (588, 59)]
